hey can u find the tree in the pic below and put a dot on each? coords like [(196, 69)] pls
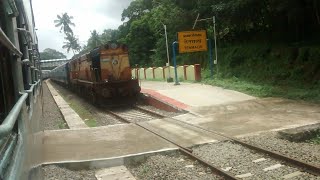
[(71, 43), (94, 40), (51, 54), (109, 35), (64, 21)]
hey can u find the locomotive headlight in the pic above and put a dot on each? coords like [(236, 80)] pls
[(113, 46), (115, 62)]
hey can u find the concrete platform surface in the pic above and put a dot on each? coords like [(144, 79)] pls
[(120, 140), (195, 94), (99, 143), (179, 132), (116, 173), (254, 116), (230, 112)]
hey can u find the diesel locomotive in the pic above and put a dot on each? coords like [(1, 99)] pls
[(102, 74)]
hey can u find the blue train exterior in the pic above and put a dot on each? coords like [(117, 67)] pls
[(61, 74)]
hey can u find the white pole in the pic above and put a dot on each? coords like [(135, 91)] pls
[(215, 41), (165, 31)]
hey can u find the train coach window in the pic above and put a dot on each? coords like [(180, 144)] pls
[(6, 84)]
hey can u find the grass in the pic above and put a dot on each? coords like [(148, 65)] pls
[(84, 114), (315, 139), (88, 118), (91, 123), (268, 70), (62, 125), (260, 89)]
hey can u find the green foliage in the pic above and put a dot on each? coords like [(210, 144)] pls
[(315, 140), (71, 43), (94, 40), (262, 70), (85, 114), (62, 125), (97, 39), (257, 89), (266, 21), (91, 122), (51, 54), (64, 21), (274, 64), (139, 40)]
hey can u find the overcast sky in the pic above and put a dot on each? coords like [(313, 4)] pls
[(88, 15)]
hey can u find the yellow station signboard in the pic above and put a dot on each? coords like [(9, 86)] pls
[(192, 41)]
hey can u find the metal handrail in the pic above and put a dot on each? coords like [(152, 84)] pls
[(8, 123), (25, 61), (10, 120), (8, 44), (32, 87), (6, 156)]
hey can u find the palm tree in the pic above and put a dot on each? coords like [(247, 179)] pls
[(71, 43), (64, 21)]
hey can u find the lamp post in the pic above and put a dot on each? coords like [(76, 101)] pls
[(169, 79), (214, 35), (215, 39)]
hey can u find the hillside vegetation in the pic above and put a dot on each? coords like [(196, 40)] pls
[(266, 71), (265, 47)]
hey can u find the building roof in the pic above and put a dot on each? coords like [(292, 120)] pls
[(53, 60)]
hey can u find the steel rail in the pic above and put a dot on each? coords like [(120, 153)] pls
[(125, 120), (185, 150), (149, 112), (176, 144), (310, 168), (212, 167), (118, 117)]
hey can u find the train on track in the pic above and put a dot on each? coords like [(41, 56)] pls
[(20, 93), (103, 74)]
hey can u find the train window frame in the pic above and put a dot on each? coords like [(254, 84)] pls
[(6, 83), (2, 101)]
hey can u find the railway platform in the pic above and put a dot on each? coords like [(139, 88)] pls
[(224, 111), (192, 95), (232, 112)]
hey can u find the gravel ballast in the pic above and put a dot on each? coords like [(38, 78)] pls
[(239, 160), (54, 172), (303, 151), (52, 117), (101, 117), (177, 167)]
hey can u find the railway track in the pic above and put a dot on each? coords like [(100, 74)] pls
[(137, 114), (132, 114)]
